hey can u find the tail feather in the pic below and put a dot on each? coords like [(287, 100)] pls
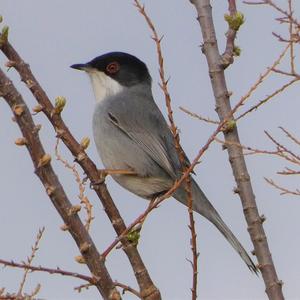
[(202, 206)]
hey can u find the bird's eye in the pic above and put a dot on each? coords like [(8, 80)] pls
[(113, 67)]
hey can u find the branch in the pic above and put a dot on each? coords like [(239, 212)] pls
[(223, 108), (54, 189), (194, 115), (83, 198), (164, 86), (229, 53), (147, 288), (30, 259), (283, 190), (47, 270), (269, 97)]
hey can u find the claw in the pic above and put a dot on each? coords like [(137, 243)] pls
[(117, 172), (104, 172)]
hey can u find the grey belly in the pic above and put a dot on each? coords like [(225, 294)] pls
[(118, 151)]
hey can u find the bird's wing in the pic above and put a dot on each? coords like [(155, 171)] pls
[(144, 124)]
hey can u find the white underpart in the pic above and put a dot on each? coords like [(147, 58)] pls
[(103, 85)]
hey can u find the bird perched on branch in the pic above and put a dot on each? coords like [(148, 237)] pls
[(132, 135)]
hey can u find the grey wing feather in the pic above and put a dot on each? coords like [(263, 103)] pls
[(145, 125)]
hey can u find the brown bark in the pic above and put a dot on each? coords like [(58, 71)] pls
[(55, 191)]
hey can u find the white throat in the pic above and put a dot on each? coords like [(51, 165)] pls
[(103, 85)]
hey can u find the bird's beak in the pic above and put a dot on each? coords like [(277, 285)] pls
[(81, 67)]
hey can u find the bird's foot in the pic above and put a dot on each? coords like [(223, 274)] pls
[(104, 172)]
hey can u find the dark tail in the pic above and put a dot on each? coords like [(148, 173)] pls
[(202, 206)]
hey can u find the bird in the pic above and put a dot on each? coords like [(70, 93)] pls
[(131, 133)]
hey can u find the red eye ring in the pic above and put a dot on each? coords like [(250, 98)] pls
[(113, 67)]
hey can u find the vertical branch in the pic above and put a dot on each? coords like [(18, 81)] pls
[(164, 86), (238, 164), (227, 56), (192, 228)]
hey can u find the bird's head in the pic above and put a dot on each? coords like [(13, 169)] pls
[(112, 72)]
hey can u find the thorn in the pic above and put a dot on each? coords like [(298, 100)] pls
[(263, 218), (236, 190)]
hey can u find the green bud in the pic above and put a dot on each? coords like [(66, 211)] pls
[(60, 103), (229, 126), (1, 19), (133, 237), (237, 51), (235, 21), (85, 143), (4, 35)]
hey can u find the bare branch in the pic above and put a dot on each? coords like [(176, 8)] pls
[(237, 160), (194, 115), (54, 189), (265, 100), (164, 86), (284, 191), (30, 259), (83, 199), (51, 271)]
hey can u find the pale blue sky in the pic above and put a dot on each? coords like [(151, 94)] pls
[(52, 35)]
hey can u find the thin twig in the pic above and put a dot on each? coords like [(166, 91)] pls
[(289, 135), (82, 197), (284, 191), (294, 157), (29, 267), (292, 57), (124, 287), (276, 7), (263, 76), (164, 86), (265, 100), (34, 248), (127, 288), (194, 115)]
